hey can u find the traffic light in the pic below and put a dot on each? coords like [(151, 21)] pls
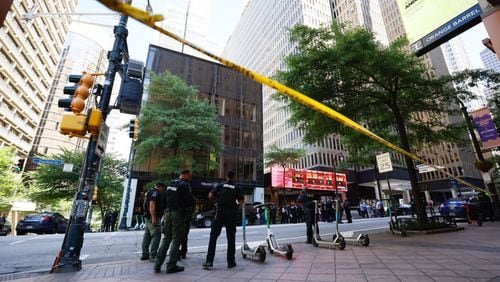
[(134, 129), (74, 124), (95, 195), (19, 165)]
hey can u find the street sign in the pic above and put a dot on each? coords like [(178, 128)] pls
[(49, 162), (68, 167), (422, 168), (102, 141), (384, 163)]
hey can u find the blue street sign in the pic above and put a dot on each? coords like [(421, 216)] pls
[(49, 162)]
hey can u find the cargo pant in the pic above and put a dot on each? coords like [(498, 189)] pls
[(173, 229), (151, 239)]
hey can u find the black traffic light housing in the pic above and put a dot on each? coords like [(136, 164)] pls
[(20, 165), (69, 90), (131, 128)]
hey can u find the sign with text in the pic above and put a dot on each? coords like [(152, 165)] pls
[(312, 179), (384, 163), (486, 128), (429, 23), (49, 162)]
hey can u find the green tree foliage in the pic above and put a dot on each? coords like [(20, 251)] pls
[(51, 188), (179, 126), (386, 89), (9, 180)]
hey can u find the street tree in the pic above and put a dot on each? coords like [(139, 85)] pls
[(385, 88), (178, 126), (9, 181), (51, 188), (282, 157)]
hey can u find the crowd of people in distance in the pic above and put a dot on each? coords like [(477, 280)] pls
[(294, 213)]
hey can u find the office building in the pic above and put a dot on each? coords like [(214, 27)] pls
[(238, 100), (80, 53), (29, 55)]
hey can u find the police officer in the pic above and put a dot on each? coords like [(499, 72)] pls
[(153, 212), (306, 199), (226, 194), (177, 195)]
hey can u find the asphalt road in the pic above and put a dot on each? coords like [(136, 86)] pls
[(33, 253)]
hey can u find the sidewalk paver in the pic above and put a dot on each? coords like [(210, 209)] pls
[(469, 255)]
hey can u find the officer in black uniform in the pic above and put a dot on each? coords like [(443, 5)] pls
[(226, 194), (188, 214), (153, 212), (306, 199), (177, 196)]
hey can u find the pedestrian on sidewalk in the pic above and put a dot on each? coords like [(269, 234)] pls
[(153, 212), (430, 203), (177, 196), (306, 199), (346, 205), (226, 193)]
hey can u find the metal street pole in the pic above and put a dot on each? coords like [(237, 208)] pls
[(123, 221), (68, 259)]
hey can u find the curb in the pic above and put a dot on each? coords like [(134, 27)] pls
[(435, 231)]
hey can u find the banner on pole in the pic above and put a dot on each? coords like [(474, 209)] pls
[(486, 128)]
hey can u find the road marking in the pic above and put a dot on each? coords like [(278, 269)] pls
[(84, 256), (16, 242)]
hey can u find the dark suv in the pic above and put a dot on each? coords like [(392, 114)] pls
[(206, 218)]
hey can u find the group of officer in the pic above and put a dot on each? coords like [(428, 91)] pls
[(175, 204)]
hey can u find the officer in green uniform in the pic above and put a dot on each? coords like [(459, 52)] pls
[(226, 193), (153, 212), (177, 195)]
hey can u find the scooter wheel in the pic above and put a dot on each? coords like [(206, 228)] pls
[(244, 256), (269, 247), (365, 241), (262, 255), (289, 255), (315, 244), (341, 244)]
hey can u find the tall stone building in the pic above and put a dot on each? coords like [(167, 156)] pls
[(29, 55)]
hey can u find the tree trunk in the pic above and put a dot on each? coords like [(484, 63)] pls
[(405, 145)]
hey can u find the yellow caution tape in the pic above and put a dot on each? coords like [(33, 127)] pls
[(150, 19)]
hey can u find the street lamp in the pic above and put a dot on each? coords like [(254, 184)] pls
[(341, 158)]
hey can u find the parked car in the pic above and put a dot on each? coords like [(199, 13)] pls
[(5, 228), (456, 207), (206, 218), (403, 209), (46, 222)]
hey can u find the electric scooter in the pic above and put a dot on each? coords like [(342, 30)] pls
[(338, 239), (362, 238), (253, 253), (272, 244)]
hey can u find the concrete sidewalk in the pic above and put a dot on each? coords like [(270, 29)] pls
[(469, 255)]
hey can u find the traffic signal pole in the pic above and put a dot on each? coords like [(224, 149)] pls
[(68, 259)]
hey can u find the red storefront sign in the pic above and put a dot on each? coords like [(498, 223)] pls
[(312, 179)]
